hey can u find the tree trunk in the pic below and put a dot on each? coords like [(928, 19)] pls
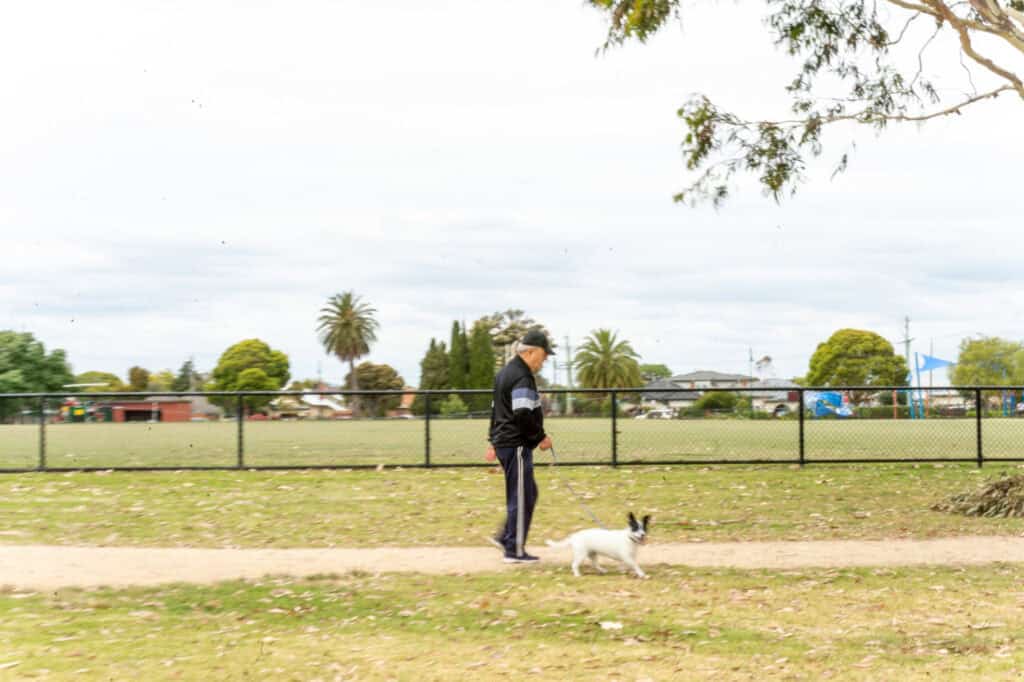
[(353, 385)]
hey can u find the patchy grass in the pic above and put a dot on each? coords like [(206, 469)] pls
[(403, 442), (683, 624), (461, 506)]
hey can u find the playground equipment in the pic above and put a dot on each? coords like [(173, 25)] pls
[(827, 404)]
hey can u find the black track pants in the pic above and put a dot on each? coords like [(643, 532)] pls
[(520, 497)]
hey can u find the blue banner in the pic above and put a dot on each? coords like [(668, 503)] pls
[(929, 363)]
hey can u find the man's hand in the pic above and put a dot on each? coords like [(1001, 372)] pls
[(545, 444), (491, 454)]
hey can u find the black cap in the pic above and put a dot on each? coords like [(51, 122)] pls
[(535, 337)]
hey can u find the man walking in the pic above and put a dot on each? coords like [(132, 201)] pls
[(517, 427)]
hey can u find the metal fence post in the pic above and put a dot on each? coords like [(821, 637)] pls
[(615, 430), (241, 435), (802, 456), (977, 420), (426, 430), (42, 434)]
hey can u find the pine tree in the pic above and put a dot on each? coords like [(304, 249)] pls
[(433, 377), (458, 358), (481, 366), (186, 377)]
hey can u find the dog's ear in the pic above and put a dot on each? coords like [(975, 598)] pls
[(633, 525), (647, 520)]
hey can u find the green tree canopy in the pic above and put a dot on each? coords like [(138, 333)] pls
[(433, 377), (138, 379), (458, 358), (374, 377), (187, 378), (859, 61), (256, 379), (654, 372), (854, 357), (243, 356), (347, 328), (304, 385), (453, 406), (481, 367), (162, 381), (990, 361), (506, 328), (718, 401), (111, 382), (26, 367), (603, 361)]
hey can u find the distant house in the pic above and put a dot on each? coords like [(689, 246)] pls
[(709, 379), (947, 400), (204, 410), (154, 409), (309, 406), (326, 406), (667, 393), (288, 407), (404, 408), (683, 390), (785, 399), (688, 388)]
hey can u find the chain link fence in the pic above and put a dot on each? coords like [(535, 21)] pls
[(345, 429)]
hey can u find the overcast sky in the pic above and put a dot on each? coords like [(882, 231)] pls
[(179, 176)]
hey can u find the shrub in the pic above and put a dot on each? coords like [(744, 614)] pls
[(454, 405)]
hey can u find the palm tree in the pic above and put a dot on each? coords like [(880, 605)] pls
[(347, 328), (602, 361)]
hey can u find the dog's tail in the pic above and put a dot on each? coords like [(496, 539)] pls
[(560, 543)]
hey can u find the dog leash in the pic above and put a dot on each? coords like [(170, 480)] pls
[(554, 461)]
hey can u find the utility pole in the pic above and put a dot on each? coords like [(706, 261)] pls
[(568, 373), (906, 338), (931, 352), (906, 347)]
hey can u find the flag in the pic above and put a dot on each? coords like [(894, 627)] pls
[(929, 363)]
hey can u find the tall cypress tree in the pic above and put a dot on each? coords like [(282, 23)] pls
[(186, 377), (458, 358), (433, 377), (481, 366)]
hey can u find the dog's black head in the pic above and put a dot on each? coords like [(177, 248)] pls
[(638, 529)]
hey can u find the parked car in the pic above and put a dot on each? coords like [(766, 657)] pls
[(657, 414)]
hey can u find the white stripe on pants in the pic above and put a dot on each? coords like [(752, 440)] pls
[(521, 498)]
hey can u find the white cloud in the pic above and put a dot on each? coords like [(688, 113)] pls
[(175, 177)]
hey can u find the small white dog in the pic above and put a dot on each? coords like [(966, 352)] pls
[(620, 545)]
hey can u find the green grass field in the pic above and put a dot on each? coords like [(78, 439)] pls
[(462, 506), (402, 442), (905, 624)]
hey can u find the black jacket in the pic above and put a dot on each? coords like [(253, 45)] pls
[(516, 415)]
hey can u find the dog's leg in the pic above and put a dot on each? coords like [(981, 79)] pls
[(577, 559), (631, 562), (597, 566)]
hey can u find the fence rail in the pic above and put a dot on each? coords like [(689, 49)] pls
[(641, 426)]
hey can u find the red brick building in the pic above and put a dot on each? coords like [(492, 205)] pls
[(150, 409)]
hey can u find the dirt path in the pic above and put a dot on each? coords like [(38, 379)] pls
[(48, 567)]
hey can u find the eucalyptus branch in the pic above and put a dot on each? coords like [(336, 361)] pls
[(868, 115), (844, 41), (968, 47)]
